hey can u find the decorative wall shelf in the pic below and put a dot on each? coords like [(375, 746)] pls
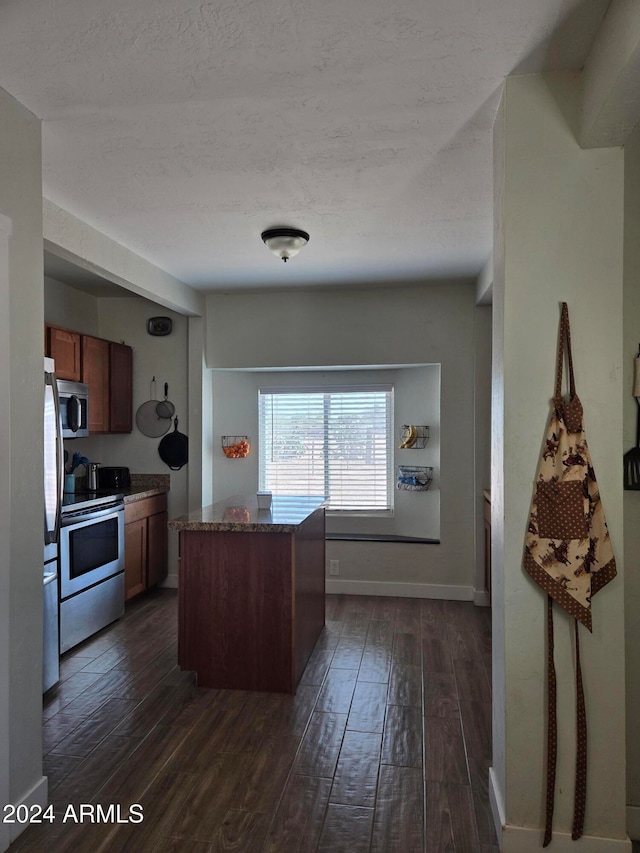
[(236, 446), (414, 437), (414, 478)]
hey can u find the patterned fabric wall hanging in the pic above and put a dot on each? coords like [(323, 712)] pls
[(568, 553)]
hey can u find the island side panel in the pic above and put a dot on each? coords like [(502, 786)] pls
[(237, 609), (309, 602)]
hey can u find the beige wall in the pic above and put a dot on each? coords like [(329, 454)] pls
[(428, 323), (560, 214), (6, 227), (21, 390), (632, 499), (70, 308), (482, 446), (499, 696), (166, 359), (200, 419)]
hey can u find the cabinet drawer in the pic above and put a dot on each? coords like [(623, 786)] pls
[(144, 508)]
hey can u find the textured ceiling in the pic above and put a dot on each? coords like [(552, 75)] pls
[(183, 130)]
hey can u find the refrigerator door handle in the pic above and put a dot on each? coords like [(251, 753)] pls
[(59, 458), (52, 512)]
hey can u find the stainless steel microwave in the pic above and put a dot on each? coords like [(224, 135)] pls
[(74, 408)]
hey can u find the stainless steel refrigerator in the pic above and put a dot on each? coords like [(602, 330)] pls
[(53, 485)]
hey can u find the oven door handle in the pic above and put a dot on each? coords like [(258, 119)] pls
[(88, 516)]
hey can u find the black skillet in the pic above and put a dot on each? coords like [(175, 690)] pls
[(174, 448)]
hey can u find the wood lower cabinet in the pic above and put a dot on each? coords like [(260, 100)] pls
[(251, 604), (157, 547), (63, 346), (135, 557), (145, 544)]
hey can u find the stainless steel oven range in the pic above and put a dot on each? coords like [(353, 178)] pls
[(91, 565)]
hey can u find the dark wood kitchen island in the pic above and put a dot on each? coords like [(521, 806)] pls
[(251, 591)]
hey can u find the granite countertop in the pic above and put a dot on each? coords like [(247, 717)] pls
[(146, 486), (240, 514), (142, 486)]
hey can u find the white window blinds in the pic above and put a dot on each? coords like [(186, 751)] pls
[(330, 441)]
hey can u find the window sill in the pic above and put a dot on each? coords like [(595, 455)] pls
[(378, 537)]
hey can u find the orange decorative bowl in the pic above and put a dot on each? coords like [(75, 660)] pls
[(235, 446)]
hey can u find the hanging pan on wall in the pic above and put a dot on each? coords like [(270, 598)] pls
[(148, 420), (174, 448), (631, 459), (165, 408)]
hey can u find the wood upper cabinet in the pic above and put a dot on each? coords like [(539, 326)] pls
[(120, 388), (95, 373), (145, 544), (64, 347), (105, 366)]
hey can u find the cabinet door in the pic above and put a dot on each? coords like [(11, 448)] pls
[(135, 557), (95, 372), (120, 388), (157, 563), (64, 347)]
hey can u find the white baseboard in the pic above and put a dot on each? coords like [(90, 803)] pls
[(496, 802), (521, 839), (37, 796), (337, 586), (633, 822), (390, 588), (481, 598)]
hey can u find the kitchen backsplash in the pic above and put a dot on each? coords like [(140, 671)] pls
[(150, 481), (144, 482)]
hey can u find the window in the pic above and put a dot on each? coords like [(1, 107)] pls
[(329, 441)]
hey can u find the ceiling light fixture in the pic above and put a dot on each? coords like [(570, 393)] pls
[(285, 243)]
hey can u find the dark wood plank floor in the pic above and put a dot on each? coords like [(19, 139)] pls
[(384, 748)]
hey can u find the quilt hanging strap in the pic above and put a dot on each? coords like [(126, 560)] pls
[(580, 794), (564, 337), (552, 726)]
